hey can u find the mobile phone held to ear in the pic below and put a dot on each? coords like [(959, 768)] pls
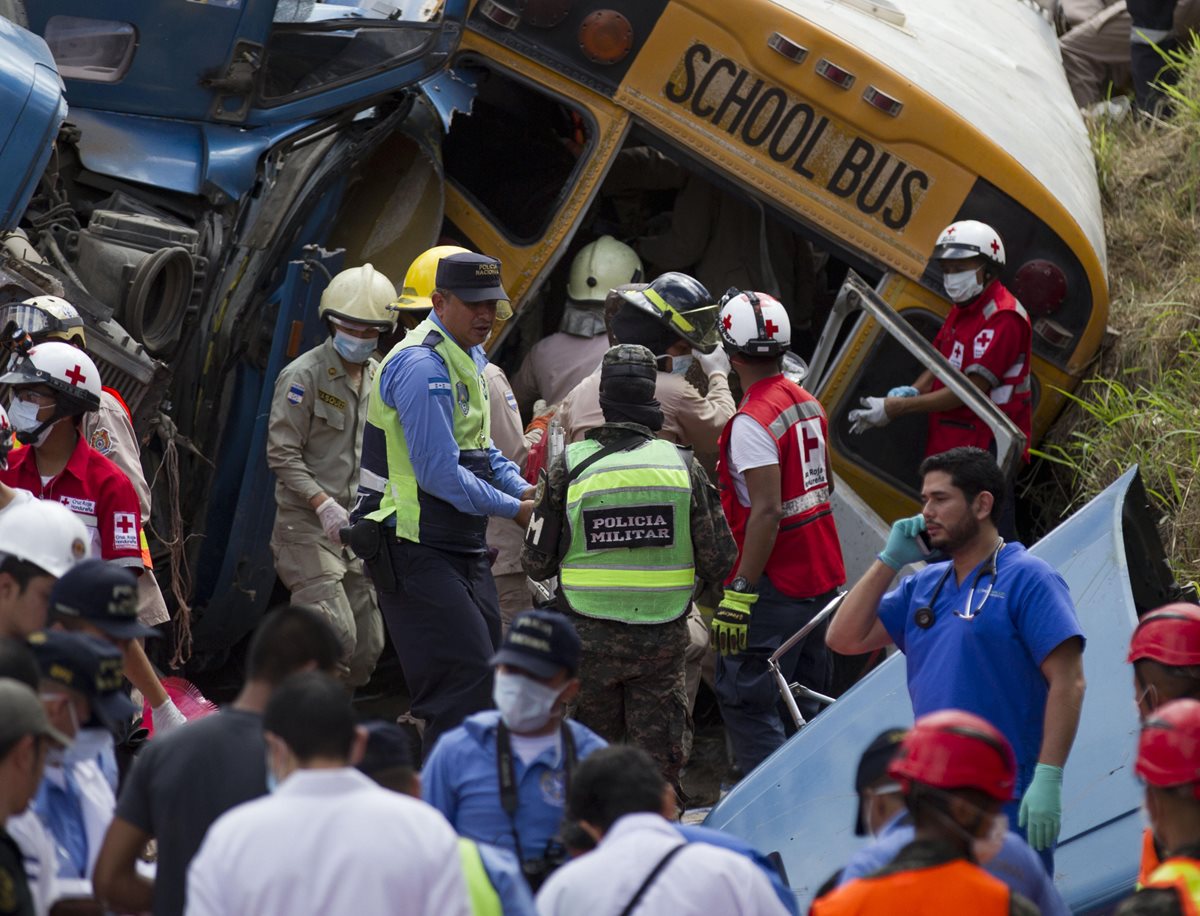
[(929, 553)]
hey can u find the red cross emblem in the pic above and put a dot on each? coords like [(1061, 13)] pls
[(951, 230), (995, 246), (124, 523), (76, 376), (727, 321), (771, 328), (808, 442)]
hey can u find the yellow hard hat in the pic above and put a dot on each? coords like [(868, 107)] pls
[(419, 282)]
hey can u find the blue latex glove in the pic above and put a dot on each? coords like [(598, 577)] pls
[(901, 548), (1041, 807), (903, 391)]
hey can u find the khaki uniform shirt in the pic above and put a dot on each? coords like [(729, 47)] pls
[(688, 418), (314, 437), (555, 365), (508, 435), (110, 432)]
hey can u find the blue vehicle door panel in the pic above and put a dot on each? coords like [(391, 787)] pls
[(229, 61), (31, 109)]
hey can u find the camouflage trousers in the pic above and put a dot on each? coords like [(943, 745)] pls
[(634, 689)]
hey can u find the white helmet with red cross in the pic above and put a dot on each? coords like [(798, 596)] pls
[(65, 369), (968, 238), (753, 324)]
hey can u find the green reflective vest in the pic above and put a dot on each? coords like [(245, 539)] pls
[(482, 895), (421, 516), (629, 519)]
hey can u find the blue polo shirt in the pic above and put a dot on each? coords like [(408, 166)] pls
[(1016, 864), (460, 780), (990, 664)]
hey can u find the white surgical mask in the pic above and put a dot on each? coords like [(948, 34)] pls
[(988, 846), (354, 349), (23, 415), (89, 744), (524, 704), (963, 285)]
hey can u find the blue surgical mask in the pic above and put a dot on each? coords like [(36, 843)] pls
[(272, 779), (525, 705), (679, 364), (354, 349)]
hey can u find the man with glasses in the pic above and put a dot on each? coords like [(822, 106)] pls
[(431, 476), (992, 630)]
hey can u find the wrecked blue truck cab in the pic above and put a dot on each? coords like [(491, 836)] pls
[(218, 163)]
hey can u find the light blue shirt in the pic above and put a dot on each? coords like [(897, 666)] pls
[(426, 416), (460, 780), (1016, 864)]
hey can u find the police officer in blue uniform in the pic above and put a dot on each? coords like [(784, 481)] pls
[(430, 478)]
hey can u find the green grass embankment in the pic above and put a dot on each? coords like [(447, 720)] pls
[(1141, 402)]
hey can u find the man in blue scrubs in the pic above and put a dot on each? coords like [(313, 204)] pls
[(991, 631)]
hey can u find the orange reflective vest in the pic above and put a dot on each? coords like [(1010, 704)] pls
[(955, 887), (1183, 875)]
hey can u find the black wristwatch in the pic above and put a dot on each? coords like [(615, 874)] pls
[(741, 584)]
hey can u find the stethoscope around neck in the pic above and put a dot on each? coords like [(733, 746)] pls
[(925, 616)]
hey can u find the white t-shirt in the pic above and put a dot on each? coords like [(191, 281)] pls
[(750, 447), (527, 747)]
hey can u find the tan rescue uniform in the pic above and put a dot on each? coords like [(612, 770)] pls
[(110, 432), (505, 535), (314, 444)]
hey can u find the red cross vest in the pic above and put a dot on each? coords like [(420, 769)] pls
[(807, 558), (972, 339)]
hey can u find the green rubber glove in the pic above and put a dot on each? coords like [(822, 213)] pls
[(731, 621), (1041, 807), (901, 548)]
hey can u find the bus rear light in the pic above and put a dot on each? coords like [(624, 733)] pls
[(882, 101), (843, 79), (1041, 286), (783, 45), (499, 15), (605, 37)]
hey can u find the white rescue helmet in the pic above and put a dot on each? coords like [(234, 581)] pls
[(44, 533), (360, 295), (968, 238), (601, 265), (753, 324), (45, 318), (6, 439), (67, 370)]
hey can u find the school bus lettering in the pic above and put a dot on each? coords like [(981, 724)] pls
[(765, 118)]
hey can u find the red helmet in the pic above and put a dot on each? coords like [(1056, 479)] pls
[(1169, 636), (1169, 746), (952, 749)]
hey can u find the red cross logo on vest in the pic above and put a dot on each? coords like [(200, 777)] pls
[(125, 523), (76, 376), (771, 328), (808, 441)]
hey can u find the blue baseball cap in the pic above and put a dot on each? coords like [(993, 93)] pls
[(541, 642), (102, 594)]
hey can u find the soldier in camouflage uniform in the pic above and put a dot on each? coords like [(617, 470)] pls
[(628, 522)]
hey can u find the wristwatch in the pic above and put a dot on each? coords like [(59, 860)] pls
[(741, 584)]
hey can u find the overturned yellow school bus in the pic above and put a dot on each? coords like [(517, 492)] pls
[(848, 129)]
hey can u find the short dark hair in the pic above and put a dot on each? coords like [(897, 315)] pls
[(288, 639), (971, 470), (18, 662), (22, 571), (311, 712), (613, 782), (929, 805)]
